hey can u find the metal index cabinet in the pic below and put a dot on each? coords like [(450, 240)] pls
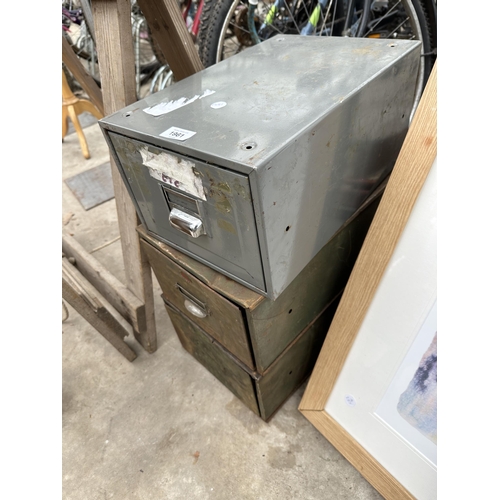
[(260, 349), (251, 165)]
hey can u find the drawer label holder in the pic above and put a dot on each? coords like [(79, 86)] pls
[(173, 171)]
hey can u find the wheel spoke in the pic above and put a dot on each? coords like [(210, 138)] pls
[(308, 14), (328, 12), (227, 32), (397, 27), (239, 27), (382, 18), (293, 18)]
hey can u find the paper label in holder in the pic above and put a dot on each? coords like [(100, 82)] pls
[(173, 171)]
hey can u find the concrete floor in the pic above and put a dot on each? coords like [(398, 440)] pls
[(162, 427)]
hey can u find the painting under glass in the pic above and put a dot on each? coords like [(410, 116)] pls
[(409, 406), (418, 404)]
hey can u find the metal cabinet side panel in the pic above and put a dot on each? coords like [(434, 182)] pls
[(316, 183), (273, 324), (291, 369)]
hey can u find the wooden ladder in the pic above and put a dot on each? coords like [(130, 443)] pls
[(111, 23)]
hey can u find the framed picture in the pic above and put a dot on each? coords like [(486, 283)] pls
[(373, 391)]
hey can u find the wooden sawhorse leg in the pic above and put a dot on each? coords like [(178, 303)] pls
[(80, 294)]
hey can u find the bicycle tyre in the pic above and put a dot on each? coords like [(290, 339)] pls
[(220, 16)]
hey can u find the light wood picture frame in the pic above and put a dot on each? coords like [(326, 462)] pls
[(417, 156)]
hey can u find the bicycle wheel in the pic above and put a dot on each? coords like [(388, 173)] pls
[(147, 59), (146, 55), (225, 30), (77, 34)]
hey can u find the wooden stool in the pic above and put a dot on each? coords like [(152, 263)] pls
[(72, 106)]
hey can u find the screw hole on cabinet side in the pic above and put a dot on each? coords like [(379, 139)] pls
[(290, 311), (287, 228), (290, 372), (248, 145)]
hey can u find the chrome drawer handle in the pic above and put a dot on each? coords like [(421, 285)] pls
[(192, 304), (194, 309), (186, 223)]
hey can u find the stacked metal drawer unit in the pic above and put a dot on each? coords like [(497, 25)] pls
[(244, 176), (260, 349)]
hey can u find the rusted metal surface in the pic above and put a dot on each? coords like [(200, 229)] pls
[(219, 197), (263, 394), (222, 319), (216, 360), (294, 365), (237, 293)]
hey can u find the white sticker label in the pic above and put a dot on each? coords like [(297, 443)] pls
[(350, 400), (179, 134), (217, 105), (163, 108), (174, 171)]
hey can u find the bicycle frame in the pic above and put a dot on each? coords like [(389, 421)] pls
[(195, 27)]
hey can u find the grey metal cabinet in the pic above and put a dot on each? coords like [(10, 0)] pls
[(261, 349), (252, 165)]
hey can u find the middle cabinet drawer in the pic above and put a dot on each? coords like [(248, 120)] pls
[(219, 317)]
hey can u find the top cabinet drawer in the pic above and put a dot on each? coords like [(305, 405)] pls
[(211, 311), (202, 209)]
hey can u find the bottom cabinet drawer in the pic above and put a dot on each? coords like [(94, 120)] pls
[(214, 357), (263, 394)]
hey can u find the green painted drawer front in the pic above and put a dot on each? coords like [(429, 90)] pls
[(263, 394), (223, 321), (214, 358)]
